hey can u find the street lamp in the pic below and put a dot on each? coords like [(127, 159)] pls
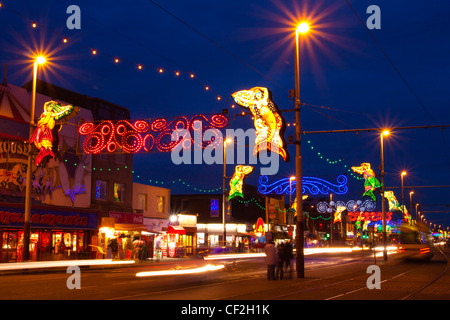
[(27, 219), (299, 242), (224, 197), (410, 202), (403, 198), (383, 134)]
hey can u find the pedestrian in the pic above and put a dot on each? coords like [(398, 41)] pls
[(287, 257), (271, 259), (280, 263)]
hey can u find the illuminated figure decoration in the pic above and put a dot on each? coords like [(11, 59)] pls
[(371, 183), (395, 205), (294, 204), (150, 135), (312, 185), (269, 125), (45, 135), (237, 180), (338, 213)]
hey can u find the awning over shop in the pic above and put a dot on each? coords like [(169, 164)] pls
[(176, 229), (130, 227)]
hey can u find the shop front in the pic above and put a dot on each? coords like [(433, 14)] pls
[(123, 235), (56, 232)]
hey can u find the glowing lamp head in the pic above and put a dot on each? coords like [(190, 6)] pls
[(385, 133), (403, 173), (303, 27), (40, 60)]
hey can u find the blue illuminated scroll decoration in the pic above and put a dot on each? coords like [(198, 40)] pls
[(312, 185)]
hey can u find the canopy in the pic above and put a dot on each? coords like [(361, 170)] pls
[(176, 229)]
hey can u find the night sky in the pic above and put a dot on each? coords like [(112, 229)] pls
[(350, 77)]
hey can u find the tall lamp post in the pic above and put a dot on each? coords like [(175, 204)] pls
[(224, 196), (299, 241), (27, 219), (403, 195), (383, 211), (410, 202)]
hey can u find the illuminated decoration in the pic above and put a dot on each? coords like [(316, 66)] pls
[(48, 125), (74, 191), (367, 216), (259, 228), (269, 125), (351, 206), (151, 135), (312, 185), (294, 204), (371, 183), (394, 205), (338, 213), (237, 180)]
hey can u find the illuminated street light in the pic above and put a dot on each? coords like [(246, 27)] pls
[(224, 197), (27, 219), (383, 211), (299, 240)]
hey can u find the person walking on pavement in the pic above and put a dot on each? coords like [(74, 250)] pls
[(280, 263), (287, 257), (271, 259)]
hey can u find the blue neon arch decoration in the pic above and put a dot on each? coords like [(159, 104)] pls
[(311, 185)]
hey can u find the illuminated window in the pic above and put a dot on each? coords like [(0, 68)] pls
[(160, 203), (119, 192), (100, 190), (142, 201)]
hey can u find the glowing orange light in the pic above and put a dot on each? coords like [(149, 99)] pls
[(161, 70), (206, 88), (34, 24), (192, 75), (139, 66), (116, 60), (65, 40), (219, 98), (177, 73), (94, 51), (303, 27), (40, 59)]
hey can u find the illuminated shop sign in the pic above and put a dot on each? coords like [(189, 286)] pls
[(368, 216), (14, 217)]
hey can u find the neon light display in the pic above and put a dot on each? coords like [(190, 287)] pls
[(351, 206), (368, 216), (312, 185), (149, 135), (269, 125), (237, 180), (371, 183), (338, 213), (48, 125), (395, 205)]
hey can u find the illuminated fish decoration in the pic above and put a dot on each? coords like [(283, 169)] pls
[(371, 183), (269, 125), (237, 180)]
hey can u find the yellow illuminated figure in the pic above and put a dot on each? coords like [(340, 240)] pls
[(371, 183), (237, 180), (395, 205), (268, 122), (42, 136)]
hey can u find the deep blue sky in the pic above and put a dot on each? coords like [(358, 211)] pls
[(342, 68)]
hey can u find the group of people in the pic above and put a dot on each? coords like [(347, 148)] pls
[(278, 260)]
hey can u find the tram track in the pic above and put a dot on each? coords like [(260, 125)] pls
[(430, 283)]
